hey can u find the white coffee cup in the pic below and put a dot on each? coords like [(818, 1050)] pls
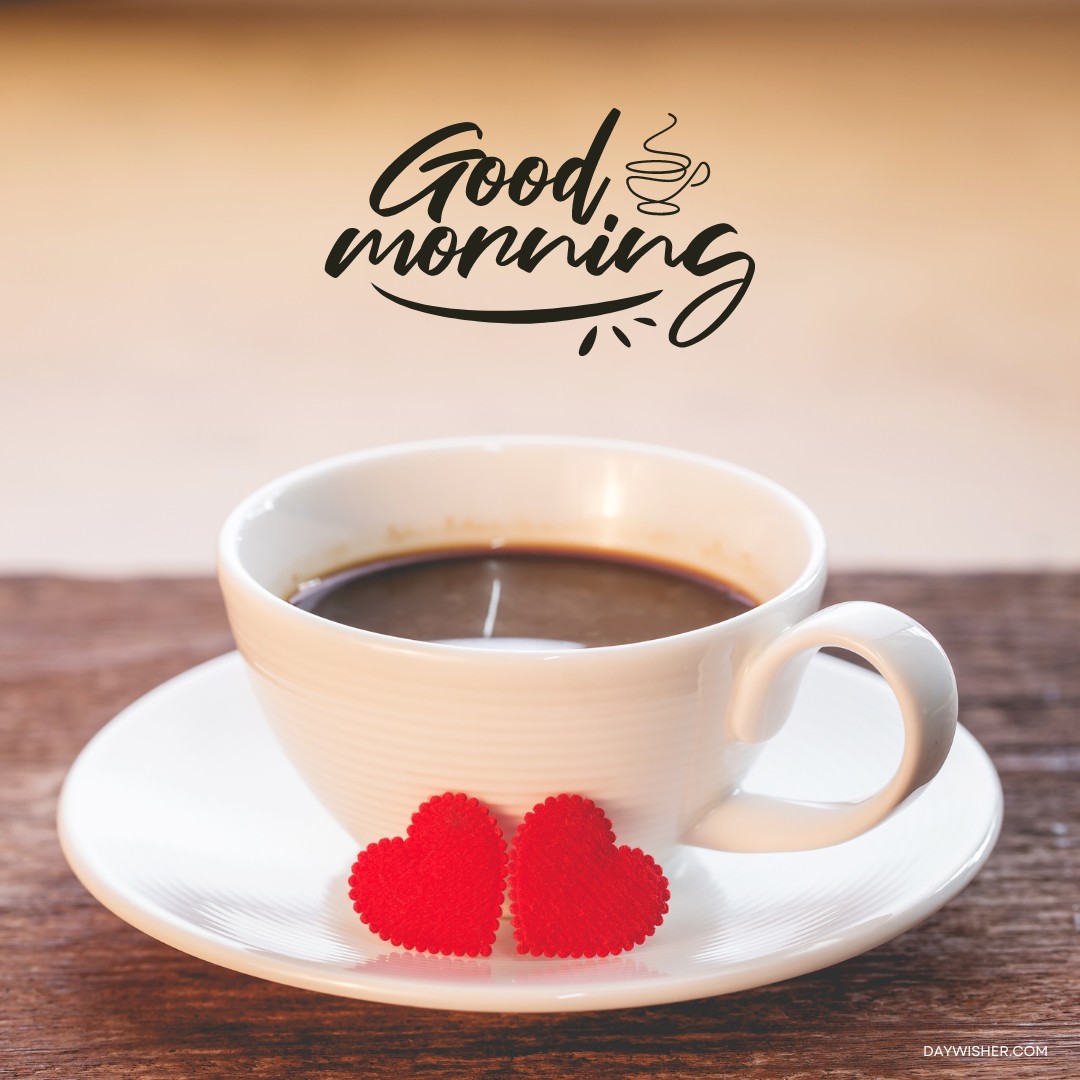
[(659, 733)]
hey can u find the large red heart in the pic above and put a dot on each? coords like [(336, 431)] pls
[(572, 891), (441, 890)]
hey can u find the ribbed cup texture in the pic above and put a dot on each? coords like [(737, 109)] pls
[(377, 725)]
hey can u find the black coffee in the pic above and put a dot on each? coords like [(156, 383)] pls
[(521, 598)]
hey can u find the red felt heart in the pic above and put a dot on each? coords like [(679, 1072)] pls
[(572, 891), (440, 890)]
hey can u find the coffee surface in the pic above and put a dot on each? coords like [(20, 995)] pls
[(521, 598)]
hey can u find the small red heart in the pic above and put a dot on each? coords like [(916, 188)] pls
[(572, 891), (441, 890)]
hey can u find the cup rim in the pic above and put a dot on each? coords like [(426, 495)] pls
[(231, 567)]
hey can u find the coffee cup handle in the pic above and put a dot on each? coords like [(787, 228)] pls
[(918, 673)]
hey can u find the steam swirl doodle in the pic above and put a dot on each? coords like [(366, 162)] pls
[(671, 168)]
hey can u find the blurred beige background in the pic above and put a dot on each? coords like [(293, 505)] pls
[(907, 180)]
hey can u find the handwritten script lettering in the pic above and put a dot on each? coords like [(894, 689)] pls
[(437, 170)]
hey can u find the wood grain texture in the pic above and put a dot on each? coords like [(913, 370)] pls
[(85, 995)]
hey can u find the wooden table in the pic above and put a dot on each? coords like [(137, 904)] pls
[(86, 996)]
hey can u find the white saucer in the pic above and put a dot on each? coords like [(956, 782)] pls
[(184, 818)]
